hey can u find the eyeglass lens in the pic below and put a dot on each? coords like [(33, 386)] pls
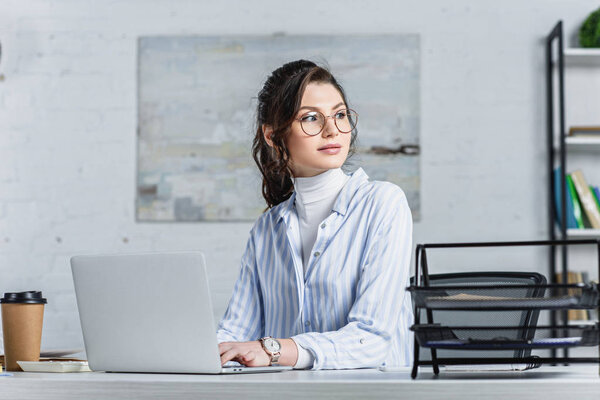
[(313, 122)]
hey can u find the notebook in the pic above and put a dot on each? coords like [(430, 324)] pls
[(149, 313)]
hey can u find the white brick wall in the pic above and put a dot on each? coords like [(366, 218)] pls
[(68, 123)]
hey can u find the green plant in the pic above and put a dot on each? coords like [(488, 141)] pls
[(589, 33)]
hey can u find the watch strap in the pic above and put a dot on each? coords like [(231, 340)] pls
[(275, 357)]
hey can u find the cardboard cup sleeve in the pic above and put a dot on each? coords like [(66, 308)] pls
[(22, 328)]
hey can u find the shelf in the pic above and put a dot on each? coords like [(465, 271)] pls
[(583, 233), (580, 144), (575, 52), (582, 56), (576, 142)]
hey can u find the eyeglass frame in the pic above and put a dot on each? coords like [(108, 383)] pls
[(325, 121)]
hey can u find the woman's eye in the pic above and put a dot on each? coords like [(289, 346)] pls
[(308, 118), (340, 114)]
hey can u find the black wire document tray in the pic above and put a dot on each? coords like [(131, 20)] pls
[(438, 336), (491, 317), (505, 297)]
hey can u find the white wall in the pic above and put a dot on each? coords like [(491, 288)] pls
[(68, 123)]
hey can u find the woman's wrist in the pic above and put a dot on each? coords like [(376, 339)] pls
[(289, 352)]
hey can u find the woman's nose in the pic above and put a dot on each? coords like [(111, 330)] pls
[(330, 129)]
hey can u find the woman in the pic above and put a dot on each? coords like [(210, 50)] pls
[(323, 276)]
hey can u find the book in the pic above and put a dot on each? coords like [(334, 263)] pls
[(577, 213), (571, 222), (591, 131), (54, 366), (596, 192), (586, 198), (573, 277)]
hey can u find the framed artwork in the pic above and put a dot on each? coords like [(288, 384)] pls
[(196, 116)]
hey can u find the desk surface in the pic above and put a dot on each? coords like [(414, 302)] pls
[(548, 383)]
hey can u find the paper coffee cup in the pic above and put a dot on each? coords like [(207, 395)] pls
[(22, 319)]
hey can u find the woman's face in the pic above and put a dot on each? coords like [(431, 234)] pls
[(308, 156)]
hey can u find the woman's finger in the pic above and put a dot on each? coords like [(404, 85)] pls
[(223, 347), (248, 357), (229, 355)]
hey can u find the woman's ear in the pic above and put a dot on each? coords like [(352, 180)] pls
[(267, 132)]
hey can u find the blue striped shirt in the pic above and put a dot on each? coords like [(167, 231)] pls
[(350, 309)]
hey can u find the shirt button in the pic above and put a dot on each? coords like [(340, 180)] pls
[(362, 341), (307, 323), (323, 225), (317, 254)]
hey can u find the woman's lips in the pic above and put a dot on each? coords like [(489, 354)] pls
[(331, 150)]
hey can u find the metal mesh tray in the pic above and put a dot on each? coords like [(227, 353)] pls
[(505, 296), (502, 338)]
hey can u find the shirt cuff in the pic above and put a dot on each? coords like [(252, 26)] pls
[(305, 358)]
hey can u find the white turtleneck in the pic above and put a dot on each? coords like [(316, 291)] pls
[(315, 197)]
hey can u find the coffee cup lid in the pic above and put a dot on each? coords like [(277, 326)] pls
[(30, 297)]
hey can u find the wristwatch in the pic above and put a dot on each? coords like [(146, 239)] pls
[(272, 347)]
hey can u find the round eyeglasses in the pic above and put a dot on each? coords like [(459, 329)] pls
[(313, 122)]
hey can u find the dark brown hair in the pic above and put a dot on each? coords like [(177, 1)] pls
[(278, 103)]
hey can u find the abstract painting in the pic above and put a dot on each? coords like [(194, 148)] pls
[(197, 109)]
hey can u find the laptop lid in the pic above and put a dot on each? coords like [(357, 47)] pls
[(146, 312)]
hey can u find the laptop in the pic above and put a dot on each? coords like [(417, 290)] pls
[(149, 313)]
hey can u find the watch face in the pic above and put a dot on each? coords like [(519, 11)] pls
[(272, 345)]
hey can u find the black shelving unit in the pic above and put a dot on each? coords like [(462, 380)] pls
[(557, 157), (500, 297)]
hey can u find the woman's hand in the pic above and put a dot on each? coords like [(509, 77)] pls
[(250, 354)]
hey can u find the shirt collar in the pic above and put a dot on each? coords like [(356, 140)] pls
[(357, 179)]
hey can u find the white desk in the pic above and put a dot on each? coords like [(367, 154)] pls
[(576, 382)]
